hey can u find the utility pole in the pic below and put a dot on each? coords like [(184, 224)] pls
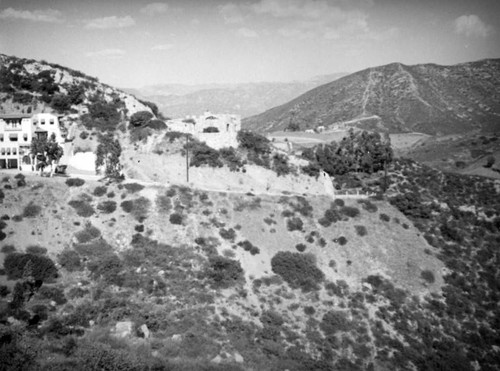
[(187, 158)]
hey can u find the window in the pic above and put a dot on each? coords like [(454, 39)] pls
[(8, 151), (51, 121), (13, 137), (14, 151), (42, 121), (1, 137), (3, 151), (25, 137)]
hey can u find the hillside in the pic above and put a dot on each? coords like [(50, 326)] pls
[(29, 86), (171, 277), (243, 99), (425, 98)]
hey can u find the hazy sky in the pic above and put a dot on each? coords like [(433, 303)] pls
[(136, 43)]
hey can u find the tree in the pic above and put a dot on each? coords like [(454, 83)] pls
[(140, 118), (47, 152), (108, 155)]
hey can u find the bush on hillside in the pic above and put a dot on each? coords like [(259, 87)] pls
[(36, 250), (41, 267), (350, 211), (253, 142), (298, 270), (176, 218), (133, 187), (75, 182), (201, 154), (70, 260), (88, 233), (294, 224), (223, 272), (231, 158), (139, 208), (100, 191), (31, 210), (333, 322), (281, 165), (140, 118), (106, 207), (82, 208), (361, 230)]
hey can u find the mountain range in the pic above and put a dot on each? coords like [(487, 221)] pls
[(245, 99), (397, 98)]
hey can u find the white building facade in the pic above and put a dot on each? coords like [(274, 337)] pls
[(16, 133)]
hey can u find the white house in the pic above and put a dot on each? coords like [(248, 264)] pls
[(16, 133), (216, 130)]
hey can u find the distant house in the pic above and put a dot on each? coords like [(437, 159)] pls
[(16, 133), (216, 130)]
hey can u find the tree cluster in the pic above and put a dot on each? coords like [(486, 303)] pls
[(47, 151), (108, 155), (359, 151)]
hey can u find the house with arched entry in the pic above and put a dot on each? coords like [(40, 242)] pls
[(16, 134), (216, 130)]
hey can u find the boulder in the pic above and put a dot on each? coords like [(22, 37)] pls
[(123, 329)]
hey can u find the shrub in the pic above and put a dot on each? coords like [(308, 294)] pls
[(175, 218), (227, 234), (341, 240), (42, 268), (339, 202), (248, 246), (52, 293), (298, 270), (4, 291), (281, 165), (163, 204), (223, 272), (106, 207), (201, 154), (31, 210), (75, 182), (294, 224), (138, 207), (87, 234), (384, 217), (82, 208), (361, 230), (139, 228), (8, 249), (300, 247), (70, 260), (254, 142), (133, 187), (36, 250), (350, 211), (330, 216), (100, 191), (368, 206), (231, 158), (428, 276), (333, 322)]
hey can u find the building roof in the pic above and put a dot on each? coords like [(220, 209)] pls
[(14, 116)]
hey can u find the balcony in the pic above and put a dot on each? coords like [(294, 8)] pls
[(13, 128)]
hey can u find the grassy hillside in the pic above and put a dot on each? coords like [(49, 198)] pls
[(397, 98), (244, 282)]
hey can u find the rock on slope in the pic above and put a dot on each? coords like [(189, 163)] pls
[(398, 98)]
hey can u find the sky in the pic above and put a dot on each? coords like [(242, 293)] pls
[(131, 44)]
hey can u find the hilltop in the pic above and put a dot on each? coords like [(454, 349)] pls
[(396, 98), (29, 86)]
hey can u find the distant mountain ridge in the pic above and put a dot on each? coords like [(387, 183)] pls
[(245, 99), (427, 98)]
